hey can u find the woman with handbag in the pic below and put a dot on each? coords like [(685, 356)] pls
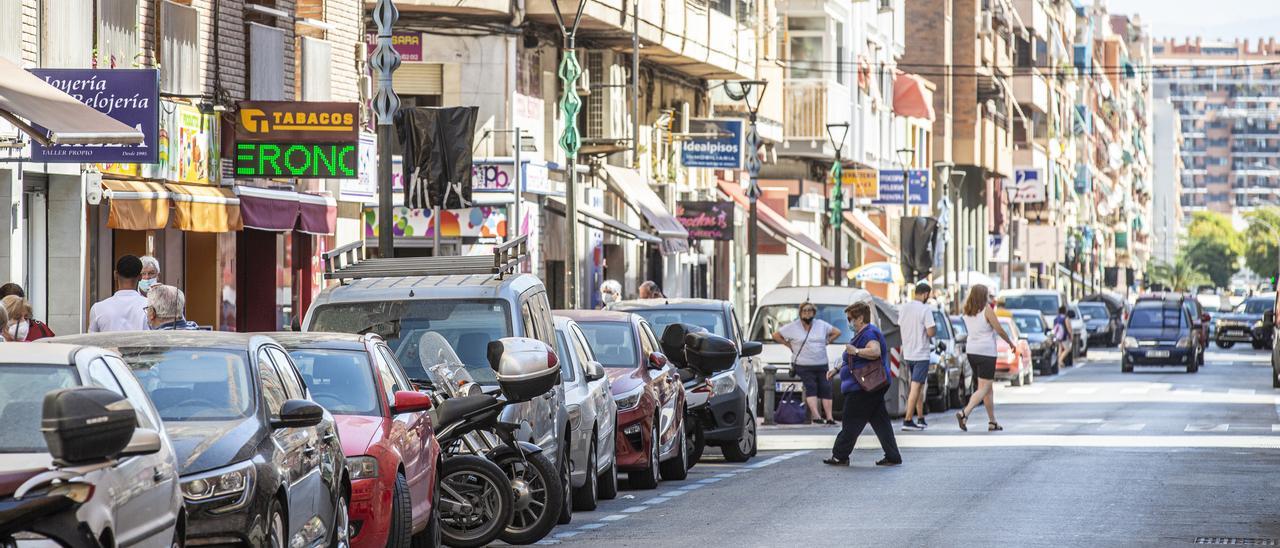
[(808, 338), (983, 327), (864, 380)]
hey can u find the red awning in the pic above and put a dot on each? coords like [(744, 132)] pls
[(319, 213), (778, 224), (268, 209), (912, 96)]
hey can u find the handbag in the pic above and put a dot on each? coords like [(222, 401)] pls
[(790, 409), (870, 377)]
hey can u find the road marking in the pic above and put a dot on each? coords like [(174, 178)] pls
[(691, 487), (723, 476), (674, 493), (1134, 427), (656, 500), (1275, 428), (1032, 390), (1242, 391), (616, 517), (1244, 428), (1136, 390), (1008, 439), (1188, 390), (1206, 428), (592, 526), (1083, 390), (567, 534), (708, 481), (634, 509)]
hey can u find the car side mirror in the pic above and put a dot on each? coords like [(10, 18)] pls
[(593, 371), (410, 402), (298, 414), (145, 441), (752, 348), (942, 346), (657, 360), (962, 338)]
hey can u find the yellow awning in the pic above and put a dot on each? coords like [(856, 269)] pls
[(136, 205), (199, 208)]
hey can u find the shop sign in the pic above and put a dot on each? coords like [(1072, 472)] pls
[(498, 175), (707, 220), (1028, 186), (861, 183), (365, 186), (891, 183), (407, 44), (288, 123), (718, 143), (131, 96), (471, 222), (324, 161), (188, 146)]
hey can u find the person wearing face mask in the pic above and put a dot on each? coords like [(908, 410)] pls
[(21, 326), (808, 337), (864, 405), (610, 292), (150, 274)]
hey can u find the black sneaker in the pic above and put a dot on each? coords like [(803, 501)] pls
[(911, 425), (887, 462), (922, 423), (836, 462)]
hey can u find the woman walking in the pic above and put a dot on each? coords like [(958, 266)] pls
[(980, 320), (864, 380), (808, 338)]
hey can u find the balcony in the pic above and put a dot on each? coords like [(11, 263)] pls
[(1032, 90), (808, 105), (470, 8), (1033, 15)]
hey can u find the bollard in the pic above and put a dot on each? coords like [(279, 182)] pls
[(770, 392)]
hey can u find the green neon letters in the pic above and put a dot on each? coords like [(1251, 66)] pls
[(296, 160)]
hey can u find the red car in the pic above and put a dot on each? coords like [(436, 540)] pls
[(649, 394), (387, 436), (1014, 364)]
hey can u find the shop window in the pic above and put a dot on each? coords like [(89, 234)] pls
[(117, 33), (67, 34), (179, 49), (317, 71), (11, 30), (266, 63)]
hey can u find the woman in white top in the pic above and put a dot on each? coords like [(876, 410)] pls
[(983, 327), (808, 338)]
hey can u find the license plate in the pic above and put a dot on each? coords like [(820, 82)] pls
[(782, 386), (1157, 353)]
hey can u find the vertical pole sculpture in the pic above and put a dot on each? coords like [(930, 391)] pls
[(386, 103), (570, 141)]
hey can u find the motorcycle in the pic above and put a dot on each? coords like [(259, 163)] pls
[(482, 452), (698, 355)]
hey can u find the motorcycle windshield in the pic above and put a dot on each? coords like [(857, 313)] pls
[(443, 366)]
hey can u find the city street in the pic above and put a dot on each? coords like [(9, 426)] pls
[(1092, 457)]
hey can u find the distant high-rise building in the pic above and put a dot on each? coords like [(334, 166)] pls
[(1166, 206)]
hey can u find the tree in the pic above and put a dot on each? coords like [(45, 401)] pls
[(1262, 241), (1179, 276), (1213, 246)]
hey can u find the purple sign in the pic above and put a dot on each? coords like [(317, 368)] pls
[(707, 220), (131, 96), (407, 44)]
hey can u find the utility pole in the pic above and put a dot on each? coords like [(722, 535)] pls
[(751, 92), (837, 203), (386, 103), (570, 104)]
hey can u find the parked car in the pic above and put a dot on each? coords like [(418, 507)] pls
[(729, 419), (1198, 320), (1079, 333), (651, 437), (960, 332), (386, 434), (1161, 332), (593, 417), (260, 462), (951, 380), (1039, 337), (1244, 323), (1048, 302), (1014, 363), (1103, 328), (469, 311), (136, 499)]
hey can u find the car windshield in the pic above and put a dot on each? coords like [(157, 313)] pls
[(1257, 306), (773, 317), (1093, 311), (1155, 316), (612, 342), (660, 318), (194, 384), (1045, 304), (1029, 323), (22, 390), (467, 324), (340, 380), (958, 325)]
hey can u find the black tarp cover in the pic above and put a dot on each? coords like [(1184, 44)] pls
[(437, 145)]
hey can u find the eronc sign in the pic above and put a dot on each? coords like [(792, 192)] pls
[(297, 139)]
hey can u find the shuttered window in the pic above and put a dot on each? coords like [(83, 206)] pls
[(179, 50), (67, 39), (117, 33), (419, 79), (11, 30), (266, 63), (317, 69)]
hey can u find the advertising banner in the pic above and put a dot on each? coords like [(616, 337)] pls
[(719, 144), (297, 139), (131, 96), (861, 183), (1028, 186), (471, 222), (707, 220), (891, 183), (407, 44), (187, 147)]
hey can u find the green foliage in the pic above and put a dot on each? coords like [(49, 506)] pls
[(1262, 241), (1213, 246), (1179, 276)]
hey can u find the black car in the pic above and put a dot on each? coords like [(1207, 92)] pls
[(260, 462), (1033, 329), (1244, 324), (1162, 331), (1103, 327)]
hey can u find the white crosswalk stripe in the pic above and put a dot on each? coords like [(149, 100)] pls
[(1206, 428)]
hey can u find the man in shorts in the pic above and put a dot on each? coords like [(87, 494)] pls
[(915, 320)]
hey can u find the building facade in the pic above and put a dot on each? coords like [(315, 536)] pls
[(1166, 192)]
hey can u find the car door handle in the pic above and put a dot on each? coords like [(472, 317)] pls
[(158, 475), (309, 450), (330, 436)]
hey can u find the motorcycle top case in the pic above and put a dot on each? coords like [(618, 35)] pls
[(673, 342), (708, 353), (526, 368), (86, 424)]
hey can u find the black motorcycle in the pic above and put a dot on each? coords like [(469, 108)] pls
[(698, 355)]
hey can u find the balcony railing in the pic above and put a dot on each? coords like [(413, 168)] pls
[(809, 105)]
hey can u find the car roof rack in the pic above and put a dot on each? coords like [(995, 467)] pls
[(351, 262)]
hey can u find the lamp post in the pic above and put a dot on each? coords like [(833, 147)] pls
[(570, 104), (837, 198), (905, 157), (386, 103), (751, 92), (952, 180)]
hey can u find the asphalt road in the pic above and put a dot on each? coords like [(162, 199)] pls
[(1091, 457)]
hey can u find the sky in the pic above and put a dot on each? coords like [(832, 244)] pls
[(1224, 19)]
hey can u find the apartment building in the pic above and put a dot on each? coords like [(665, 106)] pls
[(1166, 191)]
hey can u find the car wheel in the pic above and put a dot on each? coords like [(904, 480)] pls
[(276, 530), (1016, 380), (341, 524), (647, 478), (676, 468), (430, 536), (566, 487), (1225, 344), (1256, 345), (180, 532), (401, 532), (697, 441), (1031, 375), (584, 498), (745, 447), (955, 395), (608, 486), (1126, 366)]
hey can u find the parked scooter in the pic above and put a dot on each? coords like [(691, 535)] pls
[(699, 355), (477, 446)]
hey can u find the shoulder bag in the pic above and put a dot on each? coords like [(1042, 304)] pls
[(871, 378)]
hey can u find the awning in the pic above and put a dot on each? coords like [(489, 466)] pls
[(870, 234), (27, 101), (604, 221), (912, 96), (319, 213), (268, 209), (778, 224), (136, 205), (204, 208), (627, 183)]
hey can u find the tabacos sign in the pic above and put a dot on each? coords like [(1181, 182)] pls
[(297, 139)]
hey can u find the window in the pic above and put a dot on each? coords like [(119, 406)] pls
[(580, 342), (567, 358), (340, 380), (390, 383), (292, 384), (266, 63), (194, 383), (660, 318), (179, 50), (647, 342), (841, 64), (134, 391), (526, 313), (22, 390), (67, 40), (612, 342), (317, 69), (396, 370), (100, 375), (542, 317), (117, 33), (273, 393), (11, 30)]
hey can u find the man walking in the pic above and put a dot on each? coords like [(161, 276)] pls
[(915, 321), (126, 309)]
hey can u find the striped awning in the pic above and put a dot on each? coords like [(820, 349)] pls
[(136, 205), (199, 208)]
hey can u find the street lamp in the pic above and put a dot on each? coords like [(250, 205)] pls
[(570, 104), (952, 180), (837, 203), (905, 158), (751, 92)]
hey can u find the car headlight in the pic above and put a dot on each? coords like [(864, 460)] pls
[(722, 384), (1130, 342), (218, 483), (1184, 342), (1257, 324), (362, 467), (1104, 328), (630, 398)]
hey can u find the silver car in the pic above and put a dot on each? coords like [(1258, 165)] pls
[(593, 416), (135, 500)]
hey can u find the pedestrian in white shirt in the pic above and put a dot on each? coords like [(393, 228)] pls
[(808, 338), (126, 309), (915, 321)]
